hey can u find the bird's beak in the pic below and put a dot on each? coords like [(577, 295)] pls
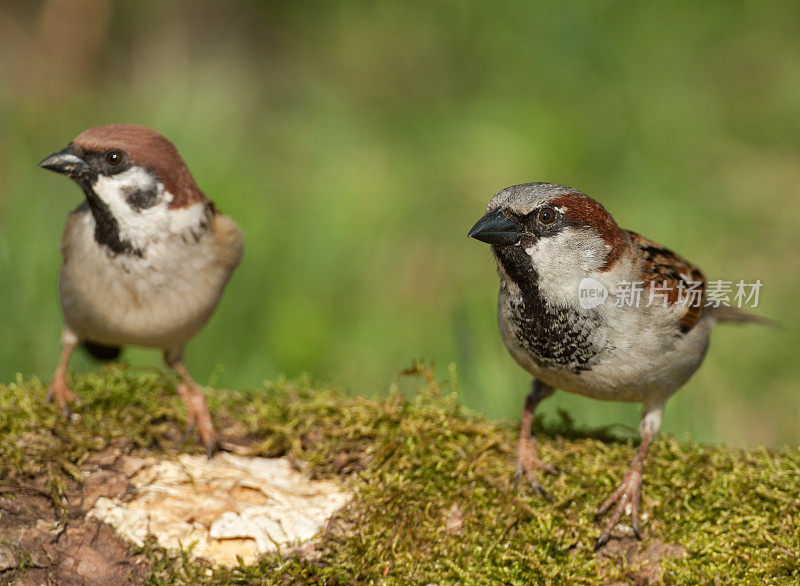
[(65, 162), (495, 228)]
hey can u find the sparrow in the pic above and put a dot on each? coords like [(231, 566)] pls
[(552, 243), (146, 256)]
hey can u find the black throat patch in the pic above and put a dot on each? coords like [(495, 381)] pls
[(106, 229), (554, 336)]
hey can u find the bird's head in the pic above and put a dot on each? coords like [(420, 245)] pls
[(127, 165), (554, 230), (134, 180)]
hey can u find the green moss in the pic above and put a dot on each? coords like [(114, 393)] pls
[(434, 496)]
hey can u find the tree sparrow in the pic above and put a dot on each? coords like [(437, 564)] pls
[(146, 256), (551, 243)]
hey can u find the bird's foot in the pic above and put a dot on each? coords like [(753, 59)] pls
[(529, 465), (627, 493), (198, 417), (59, 391)]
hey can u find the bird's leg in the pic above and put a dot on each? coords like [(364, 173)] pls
[(528, 462), (195, 401), (58, 389), (629, 490)]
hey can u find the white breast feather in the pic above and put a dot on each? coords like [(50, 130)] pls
[(160, 299)]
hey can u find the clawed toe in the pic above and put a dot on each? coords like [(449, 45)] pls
[(198, 417), (212, 447), (60, 392), (542, 492), (528, 470), (209, 440), (554, 470), (628, 492)]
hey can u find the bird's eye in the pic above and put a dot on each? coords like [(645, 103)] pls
[(113, 158), (547, 215)]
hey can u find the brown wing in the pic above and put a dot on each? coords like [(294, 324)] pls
[(680, 281), (228, 240)]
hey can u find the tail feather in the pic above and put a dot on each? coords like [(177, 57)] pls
[(101, 352), (725, 313)]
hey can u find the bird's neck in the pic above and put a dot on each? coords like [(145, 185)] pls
[(517, 273), (555, 334), (107, 231)]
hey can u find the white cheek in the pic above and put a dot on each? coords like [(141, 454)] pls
[(136, 225), (112, 189), (569, 250), (564, 259)]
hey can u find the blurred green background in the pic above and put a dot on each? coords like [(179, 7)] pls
[(356, 143)]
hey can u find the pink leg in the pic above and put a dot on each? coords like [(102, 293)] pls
[(528, 462), (59, 388), (195, 401), (630, 489)]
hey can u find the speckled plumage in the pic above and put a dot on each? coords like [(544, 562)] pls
[(547, 240), (553, 336)]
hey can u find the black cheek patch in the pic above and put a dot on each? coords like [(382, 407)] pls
[(140, 199)]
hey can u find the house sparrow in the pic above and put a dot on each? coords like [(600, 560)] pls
[(550, 242), (146, 256)]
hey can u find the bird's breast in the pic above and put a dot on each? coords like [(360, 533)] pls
[(158, 299), (607, 357), (554, 337)]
